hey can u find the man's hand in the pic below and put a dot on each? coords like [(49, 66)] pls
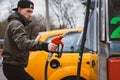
[(52, 47)]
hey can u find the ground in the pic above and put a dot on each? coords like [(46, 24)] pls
[(2, 77)]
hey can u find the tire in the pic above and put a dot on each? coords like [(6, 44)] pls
[(72, 78)]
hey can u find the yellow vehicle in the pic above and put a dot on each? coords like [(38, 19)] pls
[(64, 68)]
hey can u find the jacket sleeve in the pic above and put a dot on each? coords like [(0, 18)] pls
[(21, 39)]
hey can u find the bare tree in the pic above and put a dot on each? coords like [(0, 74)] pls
[(3, 26), (64, 11), (37, 25), (55, 6)]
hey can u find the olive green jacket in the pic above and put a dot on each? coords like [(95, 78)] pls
[(17, 43)]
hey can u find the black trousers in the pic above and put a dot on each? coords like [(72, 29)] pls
[(12, 72)]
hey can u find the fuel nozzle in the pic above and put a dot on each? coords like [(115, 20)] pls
[(58, 41)]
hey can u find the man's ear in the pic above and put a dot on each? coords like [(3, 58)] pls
[(19, 9)]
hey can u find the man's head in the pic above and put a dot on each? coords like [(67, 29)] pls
[(25, 7)]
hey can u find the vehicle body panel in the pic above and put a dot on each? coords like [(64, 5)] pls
[(113, 69), (68, 62)]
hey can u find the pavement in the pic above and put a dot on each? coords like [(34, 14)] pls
[(2, 77)]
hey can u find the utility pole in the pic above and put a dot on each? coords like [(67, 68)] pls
[(47, 16)]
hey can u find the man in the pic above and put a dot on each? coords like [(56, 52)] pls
[(18, 44)]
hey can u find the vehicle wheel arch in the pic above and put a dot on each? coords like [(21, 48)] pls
[(72, 78), (68, 72)]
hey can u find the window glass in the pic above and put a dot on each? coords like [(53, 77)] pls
[(70, 42), (115, 47)]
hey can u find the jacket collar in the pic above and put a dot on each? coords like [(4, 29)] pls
[(20, 17)]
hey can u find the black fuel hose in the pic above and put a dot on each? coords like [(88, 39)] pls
[(46, 66), (83, 40)]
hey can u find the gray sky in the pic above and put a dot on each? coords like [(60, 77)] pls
[(3, 11)]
